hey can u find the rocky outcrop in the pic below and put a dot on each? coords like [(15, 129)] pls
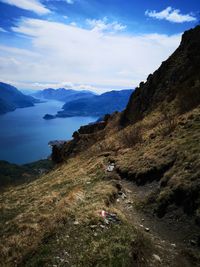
[(82, 139), (91, 128), (177, 79)]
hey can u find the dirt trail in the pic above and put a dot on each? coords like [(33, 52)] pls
[(168, 237)]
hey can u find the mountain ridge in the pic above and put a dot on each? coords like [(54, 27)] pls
[(11, 98), (180, 70), (62, 94), (96, 105)]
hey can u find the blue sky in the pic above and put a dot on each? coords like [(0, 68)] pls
[(89, 44)]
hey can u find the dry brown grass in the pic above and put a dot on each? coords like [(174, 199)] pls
[(172, 159), (36, 215), (132, 136), (32, 212), (168, 120)]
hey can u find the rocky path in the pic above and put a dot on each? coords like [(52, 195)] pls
[(166, 236)]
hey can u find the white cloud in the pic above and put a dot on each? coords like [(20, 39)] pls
[(73, 24), (68, 85), (170, 14), (104, 25), (66, 1), (70, 1), (31, 5), (2, 29), (63, 53)]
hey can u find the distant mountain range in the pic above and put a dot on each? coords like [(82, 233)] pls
[(77, 103), (62, 94), (97, 105), (11, 98)]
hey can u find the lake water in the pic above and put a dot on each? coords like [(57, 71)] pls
[(24, 134)]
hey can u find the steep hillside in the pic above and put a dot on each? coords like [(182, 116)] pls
[(62, 94), (11, 98), (121, 196), (158, 150), (162, 120), (57, 219), (78, 215), (176, 80)]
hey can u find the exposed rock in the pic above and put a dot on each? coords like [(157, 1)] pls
[(168, 82), (156, 257), (109, 217), (110, 167), (57, 150), (82, 139), (92, 128), (123, 196), (93, 226)]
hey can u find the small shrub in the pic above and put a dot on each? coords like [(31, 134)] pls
[(168, 121), (132, 137), (154, 122)]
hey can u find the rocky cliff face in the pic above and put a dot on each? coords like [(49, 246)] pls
[(83, 138), (176, 84), (177, 79)]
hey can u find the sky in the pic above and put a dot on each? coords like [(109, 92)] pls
[(95, 45)]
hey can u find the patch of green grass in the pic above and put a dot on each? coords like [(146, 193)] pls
[(82, 246)]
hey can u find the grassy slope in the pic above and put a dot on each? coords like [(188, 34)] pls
[(37, 223), (171, 159), (33, 213)]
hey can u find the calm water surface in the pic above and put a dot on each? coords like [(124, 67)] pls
[(24, 134)]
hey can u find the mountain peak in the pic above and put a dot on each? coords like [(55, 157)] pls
[(177, 80)]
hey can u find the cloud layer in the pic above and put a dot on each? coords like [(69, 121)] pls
[(31, 5), (103, 25), (63, 53), (2, 29), (170, 14)]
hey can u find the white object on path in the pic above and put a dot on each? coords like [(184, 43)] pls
[(110, 167)]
